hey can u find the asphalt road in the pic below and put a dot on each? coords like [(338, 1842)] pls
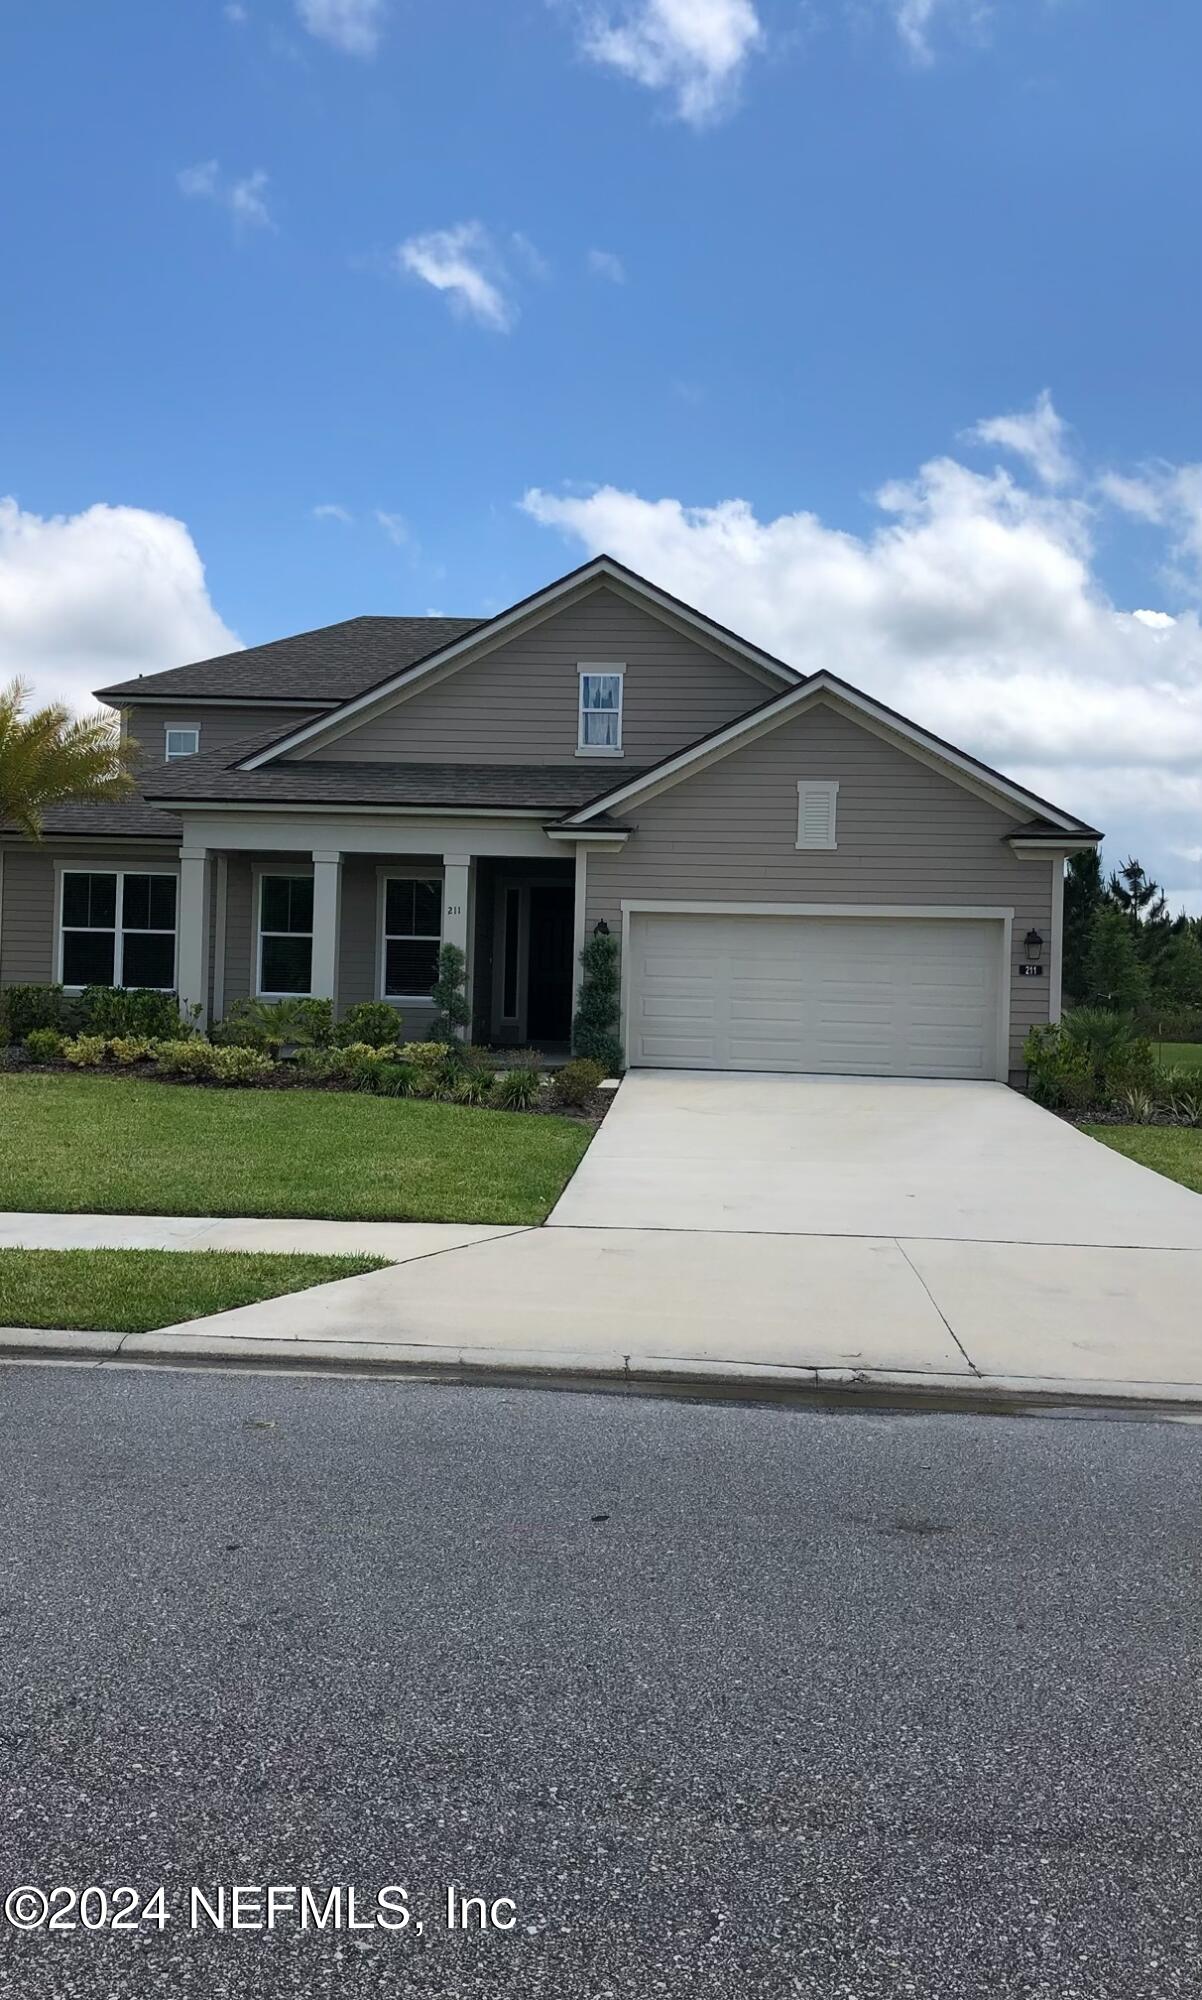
[(729, 1702)]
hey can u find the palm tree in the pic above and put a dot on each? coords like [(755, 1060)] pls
[(49, 757)]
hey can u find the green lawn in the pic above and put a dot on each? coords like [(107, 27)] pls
[(1172, 1150), (134, 1291), (79, 1144), (1179, 1055)]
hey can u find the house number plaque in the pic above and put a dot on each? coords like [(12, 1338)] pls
[(1030, 971)]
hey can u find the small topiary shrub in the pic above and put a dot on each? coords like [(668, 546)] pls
[(575, 1083), (233, 1065), (44, 1045), (516, 1089), (449, 995), (25, 1008), (119, 1011), (371, 1021), (85, 1052), (595, 1028), (130, 1049)]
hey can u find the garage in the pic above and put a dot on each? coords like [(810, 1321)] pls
[(841, 995)]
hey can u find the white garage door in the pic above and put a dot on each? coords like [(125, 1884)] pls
[(841, 996)]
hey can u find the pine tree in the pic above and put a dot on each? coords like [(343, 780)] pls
[(1114, 976), (1178, 972), (1084, 896)]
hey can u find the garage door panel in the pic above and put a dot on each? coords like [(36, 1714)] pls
[(852, 996)]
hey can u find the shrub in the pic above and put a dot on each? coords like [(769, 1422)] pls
[(595, 1028), (1186, 1105), (233, 1065), (1059, 1073), (575, 1083), (275, 1024), (44, 1045), (449, 995), (118, 1011), (361, 1068), (1091, 1057), (1136, 1106), (318, 1063), (371, 1021), (393, 1079), (425, 1083), (185, 1058), (517, 1089), (472, 1086), (129, 1049), (424, 1055), (1180, 1024), (85, 1052), (25, 1008)]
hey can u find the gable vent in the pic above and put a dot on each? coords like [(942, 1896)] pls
[(816, 812)]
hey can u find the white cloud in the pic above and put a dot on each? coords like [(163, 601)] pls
[(464, 263), (974, 605), (604, 264), (355, 26), (916, 20), (246, 199), (1038, 435), (395, 526), (331, 511), (530, 256), (1168, 496), (91, 598), (236, 12), (696, 50)]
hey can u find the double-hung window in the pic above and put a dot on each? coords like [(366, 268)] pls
[(286, 934), (412, 935), (118, 929), (600, 732), (182, 743)]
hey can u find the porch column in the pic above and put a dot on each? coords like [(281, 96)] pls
[(327, 906), (192, 930), (457, 914)]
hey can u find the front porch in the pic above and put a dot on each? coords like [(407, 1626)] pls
[(366, 922)]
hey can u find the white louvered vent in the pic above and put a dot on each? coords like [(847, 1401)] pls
[(816, 801)]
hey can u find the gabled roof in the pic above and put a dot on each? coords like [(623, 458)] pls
[(321, 668), (956, 764), (601, 570)]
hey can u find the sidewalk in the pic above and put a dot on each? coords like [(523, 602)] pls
[(899, 1317)]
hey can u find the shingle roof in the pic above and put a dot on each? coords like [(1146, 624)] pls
[(127, 819), (551, 788), (329, 665)]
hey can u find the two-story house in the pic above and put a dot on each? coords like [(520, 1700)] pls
[(801, 878)]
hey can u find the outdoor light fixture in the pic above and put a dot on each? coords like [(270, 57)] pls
[(601, 928), (1033, 945)]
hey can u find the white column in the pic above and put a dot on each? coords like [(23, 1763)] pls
[(192, 924), (327, 902), (457, 911)]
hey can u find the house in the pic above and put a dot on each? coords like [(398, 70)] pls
[(801, 878)]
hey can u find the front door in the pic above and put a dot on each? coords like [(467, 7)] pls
[(549, 984)]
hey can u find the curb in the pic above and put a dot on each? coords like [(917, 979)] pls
[(613, 1373)]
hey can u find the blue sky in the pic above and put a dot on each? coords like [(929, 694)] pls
[(806, 257)]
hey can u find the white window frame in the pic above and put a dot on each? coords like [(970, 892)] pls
[(65, 868), (829, 788), (171, 729), (616, 670), (383, 878), (296, 874)]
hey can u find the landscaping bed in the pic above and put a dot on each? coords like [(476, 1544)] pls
[(124, 1144), (137, 1291)]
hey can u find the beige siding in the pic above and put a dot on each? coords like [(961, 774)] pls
[(27, 942), (518, 705), (220, 728), (905, 834)]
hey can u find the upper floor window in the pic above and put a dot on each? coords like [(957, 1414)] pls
[(182, 743), (117, 929), (600, 712)]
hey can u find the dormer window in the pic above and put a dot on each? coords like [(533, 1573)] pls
[(600, 732), (182, 743)]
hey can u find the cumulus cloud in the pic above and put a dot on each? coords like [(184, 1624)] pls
[(465, 264), (604, 264), (91, 598), (1038, 435), (355, 26), (918, 19), (975, 605), (695, 50), (245, 199), (1168, 496)]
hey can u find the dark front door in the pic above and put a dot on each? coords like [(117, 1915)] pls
[(549, 988)]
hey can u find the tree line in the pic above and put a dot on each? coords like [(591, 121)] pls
[(1122, 948)]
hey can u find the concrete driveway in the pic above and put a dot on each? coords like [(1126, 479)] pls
[(777, 1228)]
